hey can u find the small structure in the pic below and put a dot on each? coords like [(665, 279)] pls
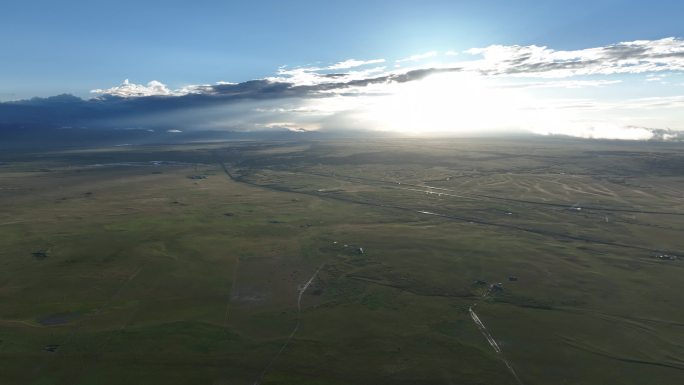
[(497, 287), (40, 254)]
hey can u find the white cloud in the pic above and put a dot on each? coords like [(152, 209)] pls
[(128, 89), (640, 56), (599, 130), (309, 75), (659, 102), (292, 126), (418, 57), (351, 63), (154, 88), (656, 77), (571, 84)]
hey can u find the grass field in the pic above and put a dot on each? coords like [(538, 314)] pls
[(189, 264)]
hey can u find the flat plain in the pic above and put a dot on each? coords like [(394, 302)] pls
[(344, 262)]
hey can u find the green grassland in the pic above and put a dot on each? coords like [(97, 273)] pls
[(184, 264)]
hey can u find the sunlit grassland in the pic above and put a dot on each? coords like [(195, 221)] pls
[(150, 276)]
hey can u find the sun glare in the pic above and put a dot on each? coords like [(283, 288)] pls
[(452, 102)]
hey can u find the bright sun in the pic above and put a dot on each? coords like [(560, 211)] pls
[(451, 102)]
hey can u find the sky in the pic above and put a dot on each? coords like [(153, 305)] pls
[(602, 68)]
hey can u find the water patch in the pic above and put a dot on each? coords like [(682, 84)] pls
[(58, 319)]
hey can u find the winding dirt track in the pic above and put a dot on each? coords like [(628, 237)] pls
[(428, 189), (492, 342), (294, 331)]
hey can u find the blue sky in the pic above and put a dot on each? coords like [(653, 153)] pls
[(50, 47), (603, 68)]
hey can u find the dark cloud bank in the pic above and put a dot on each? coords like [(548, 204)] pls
[(68, 119), (61, 110)]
